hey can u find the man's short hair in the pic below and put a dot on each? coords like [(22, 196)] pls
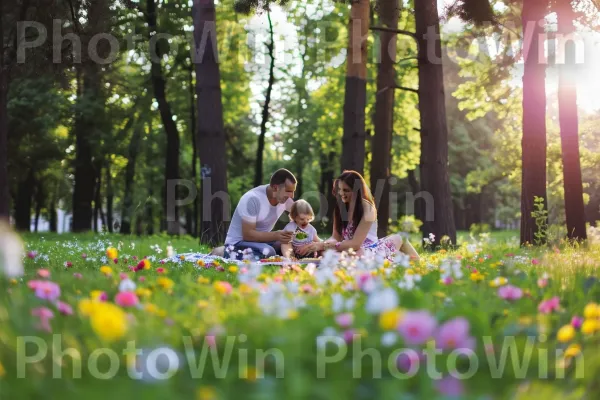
[(282, 175)]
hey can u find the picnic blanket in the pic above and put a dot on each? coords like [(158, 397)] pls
[(208, 259)]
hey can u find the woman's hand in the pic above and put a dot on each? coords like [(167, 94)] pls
[(309, 248)]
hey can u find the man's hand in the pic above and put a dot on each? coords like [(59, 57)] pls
[(284, 237)]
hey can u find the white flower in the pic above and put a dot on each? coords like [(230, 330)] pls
[(11, 253), (451, 268), (471, 248), (382, 300), (169, 251), (402, 260), (408, 282), (127, 285), (388, 339)]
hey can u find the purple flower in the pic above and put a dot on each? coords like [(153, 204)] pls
[(344, 320), (454, 334), (417, 327), (349, 335), (408, 360), (576, 322), (510, 292), (64, 308), (47, 290), (45, 315), (450, 386), (32, 254), (546, 307)]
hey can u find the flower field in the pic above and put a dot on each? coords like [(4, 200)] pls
[(103, 316)]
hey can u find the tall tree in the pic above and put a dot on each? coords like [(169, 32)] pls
[(159, 83), (569, 126), (534, 118), (384, 112), (355, 98), (211, 132), (434, 131)]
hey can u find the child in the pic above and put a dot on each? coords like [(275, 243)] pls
[(301, 214)]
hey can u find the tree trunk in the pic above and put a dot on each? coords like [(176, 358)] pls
[(326, 188), (40, 199), (353, 140), (4, 183), (258, 172), (172, 157), (192, 92), (127, 211), (384, 114), (415, 188), (434, 131), (97, 197), (569, 129), (23, 203), (109, 199), (534, 119), (53, 217), (211, 133)]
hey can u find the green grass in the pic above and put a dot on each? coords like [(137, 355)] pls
[(284, 312)]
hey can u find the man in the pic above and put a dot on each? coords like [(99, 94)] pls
[(255, 216)]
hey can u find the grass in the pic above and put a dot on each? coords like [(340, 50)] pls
[(230, 314)]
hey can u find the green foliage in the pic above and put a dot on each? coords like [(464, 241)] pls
[(540, 215)]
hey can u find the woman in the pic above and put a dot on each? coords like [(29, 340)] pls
[(355, 223)]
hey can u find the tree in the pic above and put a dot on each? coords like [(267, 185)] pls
[(569, 127), (211, 132), (533, 183), (434, 131), (355, 97)]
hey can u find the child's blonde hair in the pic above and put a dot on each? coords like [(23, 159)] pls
[(301, 207)]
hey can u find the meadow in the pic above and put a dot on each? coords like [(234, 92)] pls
[(109, 316)]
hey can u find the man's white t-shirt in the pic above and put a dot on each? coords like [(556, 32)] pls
[(254, 207)]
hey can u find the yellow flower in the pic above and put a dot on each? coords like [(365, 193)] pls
[(250, 374), (95, 294), (389, 320), (109, 322), (200, 263), (590, 326), (500, 281), (106, 270), (592, 310), (2, 371), (565, 334), (206, 393), (143, 292), (573, 350), (410, 271), (441, 295), (151, 308), (525, 321), (293, 314), (386, 263), (203, 280), (182, 258), (202, 304), (245, 289), (233, 269), (13, 281), (165, 282), (476, 276), (147, 263), (112, 253)]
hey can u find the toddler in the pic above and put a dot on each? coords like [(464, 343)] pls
[(302, 215)]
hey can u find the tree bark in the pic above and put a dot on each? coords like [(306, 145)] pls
[(258, 174), (569, 129), (173, 143), (534, 119), (23, 203), (355, 98), (53, 217), (40, 199), (127, 212), (4, 182), (211, 133), (192, 92), (97, 197), (434, 131), (384, 114), (109, 198)]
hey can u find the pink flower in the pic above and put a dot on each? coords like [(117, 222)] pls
[(409, 359), (211, 340), (126, 299), (78, 275), (546, 307), (278, 278), (142, 278), (134, 258), (32, 254), (450, 386), (43, 273), (68, 264), (417, 327), (64, 308), (45, 315), (116, 260), (307, 288), (84, 256), (123, 275), (163, 262), (33, 284), (344, 320), (454, 334), (447, 280), (243, 270), (510, 292), (349, 335), (576, 322), (535, 261), (160, 270), (542, 283), (47, 291)]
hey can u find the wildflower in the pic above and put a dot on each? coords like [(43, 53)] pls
[(106, 270), (233, 269), (454, 334), (206, 393), (222, 287), (565, 334), (143, 265), (476, 276), (143, 292), (45, 315), (169, 251), (47, 291), (64, 308), (77, 275), (165, 283), (83, 256), (510, 292), (98, 295), (43, 273), (573, 350), (390, 319), (127, 285), (546, 307), (592, 310), (450, 386), (417, 327), (112, 253), (576, 322), (68, 264), (349, 335), (203, 280), (386, 299), (109, 322), (86, 307), (344, 320), (590, 326), (2, 370), (200, 263), (535, 261), (499, 281), (126, 299), (32, 254), (408, 360)]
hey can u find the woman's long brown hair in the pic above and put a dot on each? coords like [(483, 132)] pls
[(359, 186)]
